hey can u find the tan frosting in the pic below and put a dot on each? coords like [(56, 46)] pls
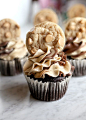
[(76, 28), (19, 50), (48, 66)]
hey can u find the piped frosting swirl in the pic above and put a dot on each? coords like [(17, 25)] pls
[(49, 63)]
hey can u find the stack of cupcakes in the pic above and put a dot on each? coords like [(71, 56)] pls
[(13, 52), (47, 70), (75, 47)]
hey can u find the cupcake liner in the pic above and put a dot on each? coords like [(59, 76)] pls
[(80, 67), (12, 67), (47, 91)]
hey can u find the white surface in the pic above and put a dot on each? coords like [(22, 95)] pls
[(16, 103), (17, 10)]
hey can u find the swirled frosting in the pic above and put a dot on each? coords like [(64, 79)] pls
[(76, 39), (49, 63), (12, 49)]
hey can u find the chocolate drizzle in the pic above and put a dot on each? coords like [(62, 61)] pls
[(82, 53), (4, 50), (49, 56), (71, 46), (4, 44), (70, 39)]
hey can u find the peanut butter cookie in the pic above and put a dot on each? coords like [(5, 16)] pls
[(45, 15), (76, 28), (44, 35), (77, 10), (8, 29)]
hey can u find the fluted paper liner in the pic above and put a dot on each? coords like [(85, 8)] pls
[(12, 67), (80, 67), (47, 91)]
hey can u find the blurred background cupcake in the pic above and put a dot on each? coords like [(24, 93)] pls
[(75, 47), (77, 10), (73, 8), (13, 52), (45, 15)]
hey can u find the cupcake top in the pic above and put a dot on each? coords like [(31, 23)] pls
[(45, 15), (11, 46), (8, 29), (77, 10), (75, 33), (45, 43), (14, 48), (43, 35)]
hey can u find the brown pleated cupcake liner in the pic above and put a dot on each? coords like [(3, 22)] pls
[(47, 91), (80, 67), (12, 67)]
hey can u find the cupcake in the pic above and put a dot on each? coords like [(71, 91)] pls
[(13, 52), (75, 47), (47, 70), (45, 15)]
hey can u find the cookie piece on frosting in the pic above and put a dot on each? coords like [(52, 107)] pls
[(8, 29), (44, 35), (76, 28), (77, 10), (45, 15)]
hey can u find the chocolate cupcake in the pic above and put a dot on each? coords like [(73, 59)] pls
[(13, 52), (75, 47), (47, 70)]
